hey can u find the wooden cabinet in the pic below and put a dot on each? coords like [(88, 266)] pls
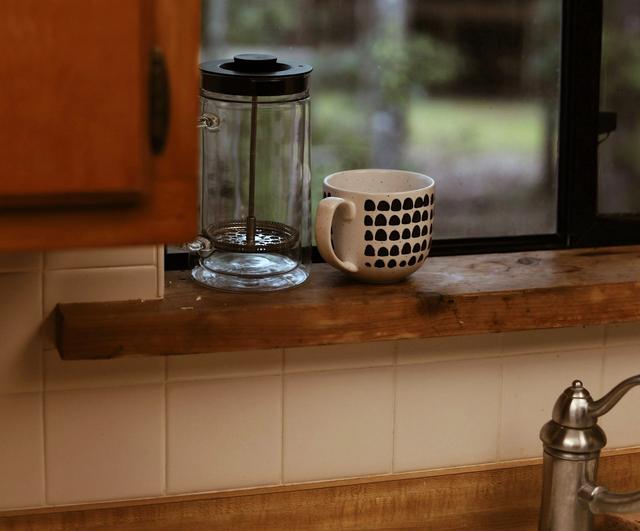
[(98, 112)]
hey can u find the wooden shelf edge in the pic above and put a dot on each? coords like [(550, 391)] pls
[(449, 296)]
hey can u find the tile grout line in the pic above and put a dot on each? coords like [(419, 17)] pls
[(93, 267), (500, 410), (501, 357), (394, 387), (166, 428), (282, 416), (159, 271)]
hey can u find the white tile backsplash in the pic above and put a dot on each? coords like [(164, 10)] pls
[(351, 356), (234, 420), (530, 387), (224, 434), (81, 374), (20, 338), (160, 272), (99, 284), (224, 364), (105, 444), (623, 334), (621, 424), (338, 424), (101, 257), (449, 348), (552, 340), (447, 414), (14, 262), (21, 451)]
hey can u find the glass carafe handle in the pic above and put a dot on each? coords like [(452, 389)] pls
[(208, 121), (200, 246)]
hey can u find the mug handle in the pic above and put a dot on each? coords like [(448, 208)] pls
[(324, 219)]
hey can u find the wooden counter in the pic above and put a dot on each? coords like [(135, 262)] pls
[(498, 496)]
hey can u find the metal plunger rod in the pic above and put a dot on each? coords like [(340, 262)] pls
[(251, 218)]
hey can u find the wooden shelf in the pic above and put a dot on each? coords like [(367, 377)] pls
[(449, 296)]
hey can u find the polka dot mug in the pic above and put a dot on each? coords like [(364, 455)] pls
[(376, 225)]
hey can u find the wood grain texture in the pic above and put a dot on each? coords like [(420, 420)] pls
[(500, 498), (102, 148), (74, 100), (449, 296)]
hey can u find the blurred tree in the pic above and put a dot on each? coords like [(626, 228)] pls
[(619, 156), (542, 81), (385, 72)]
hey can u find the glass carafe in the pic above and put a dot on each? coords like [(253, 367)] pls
[(255, 185)]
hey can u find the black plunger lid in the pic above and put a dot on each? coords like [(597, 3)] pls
[(254, 74)]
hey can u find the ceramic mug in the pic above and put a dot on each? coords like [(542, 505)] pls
[(376, 225)]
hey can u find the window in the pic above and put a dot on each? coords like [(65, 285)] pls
[(601, 172), (497, 100)]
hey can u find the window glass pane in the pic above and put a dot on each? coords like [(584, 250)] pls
[(466, 91), (619, 154)]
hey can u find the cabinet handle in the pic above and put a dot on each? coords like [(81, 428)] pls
[(159, 107)]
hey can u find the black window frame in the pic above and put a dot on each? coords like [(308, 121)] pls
[(585, 225), (578, 222)]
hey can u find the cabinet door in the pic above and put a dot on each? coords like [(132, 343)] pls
[(77, 165)]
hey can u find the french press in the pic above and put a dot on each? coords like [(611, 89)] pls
[(255, 204)]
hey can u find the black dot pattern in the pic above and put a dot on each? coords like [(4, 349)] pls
[(405, 222)]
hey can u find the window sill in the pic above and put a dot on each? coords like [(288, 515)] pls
[(453, 295)]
